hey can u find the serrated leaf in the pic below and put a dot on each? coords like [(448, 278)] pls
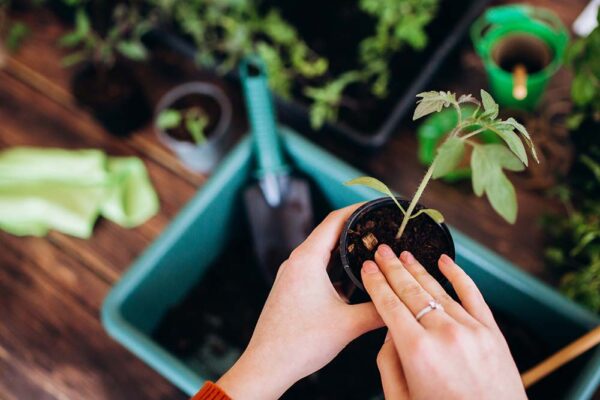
[(434, 214), (505, 131), (449, 155), (431, 102), (503, 157), (501, 194), (523, 131), (489, 105), (467, 98), (377, 185)]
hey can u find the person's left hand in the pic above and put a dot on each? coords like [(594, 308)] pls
[(304, 323)]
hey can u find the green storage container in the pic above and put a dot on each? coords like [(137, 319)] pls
[(173, 264)]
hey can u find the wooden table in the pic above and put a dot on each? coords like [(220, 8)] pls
[(52, 344)]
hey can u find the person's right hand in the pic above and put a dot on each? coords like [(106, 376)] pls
[(455, 353)]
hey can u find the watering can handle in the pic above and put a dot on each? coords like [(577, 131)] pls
[(516, 13), (261, 116)]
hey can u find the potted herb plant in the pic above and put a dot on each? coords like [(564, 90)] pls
[(357, 83), (194, 120), (407, 225), (104, 83)]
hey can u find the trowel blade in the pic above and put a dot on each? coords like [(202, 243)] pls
[(276, 231)]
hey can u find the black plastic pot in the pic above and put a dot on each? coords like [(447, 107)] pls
[(347, 282), (113, 96), (295, 113)]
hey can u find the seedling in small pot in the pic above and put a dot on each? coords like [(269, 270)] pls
[(192, 120), (103, 82), (421, 230)]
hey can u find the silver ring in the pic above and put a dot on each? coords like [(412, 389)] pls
[(433, 305)]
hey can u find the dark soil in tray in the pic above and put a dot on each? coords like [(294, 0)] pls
[(205, 104), (335, 28), (422, 237)]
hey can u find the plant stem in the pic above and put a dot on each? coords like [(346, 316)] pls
[(415, 199), (471, 134)]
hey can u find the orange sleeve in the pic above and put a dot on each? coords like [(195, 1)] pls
[(210, 391)]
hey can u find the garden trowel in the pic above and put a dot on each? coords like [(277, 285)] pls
[(279, 206)]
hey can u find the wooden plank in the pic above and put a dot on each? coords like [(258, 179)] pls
[(51, 347), (38, 64), (44, 123)]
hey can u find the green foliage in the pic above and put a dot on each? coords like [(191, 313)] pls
[(193, 119), (12, 33), (583, 56), (17, 33), (574, 240), (225, 31), (488, 161), (123, 38)]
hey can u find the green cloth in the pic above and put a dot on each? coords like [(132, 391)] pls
[(66, 190)]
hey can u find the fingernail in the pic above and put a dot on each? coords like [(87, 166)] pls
[(369, 267), (446, 261), (407, 257), (385, 251)]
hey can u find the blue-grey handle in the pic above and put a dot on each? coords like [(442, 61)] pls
[(261, 115)]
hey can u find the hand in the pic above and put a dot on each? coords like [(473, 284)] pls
[(455, 353), (304, 323)]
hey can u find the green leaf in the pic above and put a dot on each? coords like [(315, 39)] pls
[(582, 89), (480, 169), (71, 39), (503, 157), (489, 105), (593, 166), (73, 58), (132, 50), (449, 155), (505, 131), (523, 131), (168, 119), (16, 34), (502, 196), (375, 184), (196, 124), (432, 102), (588, 238), (82, 22), (434, 214)]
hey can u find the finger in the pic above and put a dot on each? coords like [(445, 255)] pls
[(432, 286), (407, 288), (390, 368), (468, 293), (400, 321), (324, 238)]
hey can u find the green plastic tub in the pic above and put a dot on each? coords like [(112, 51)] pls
[(175, 262)]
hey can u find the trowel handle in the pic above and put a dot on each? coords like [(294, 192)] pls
[(261, 115)]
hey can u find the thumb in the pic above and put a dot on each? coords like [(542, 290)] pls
[(365, 318)]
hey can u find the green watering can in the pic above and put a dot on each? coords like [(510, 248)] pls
[(521, 48)]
